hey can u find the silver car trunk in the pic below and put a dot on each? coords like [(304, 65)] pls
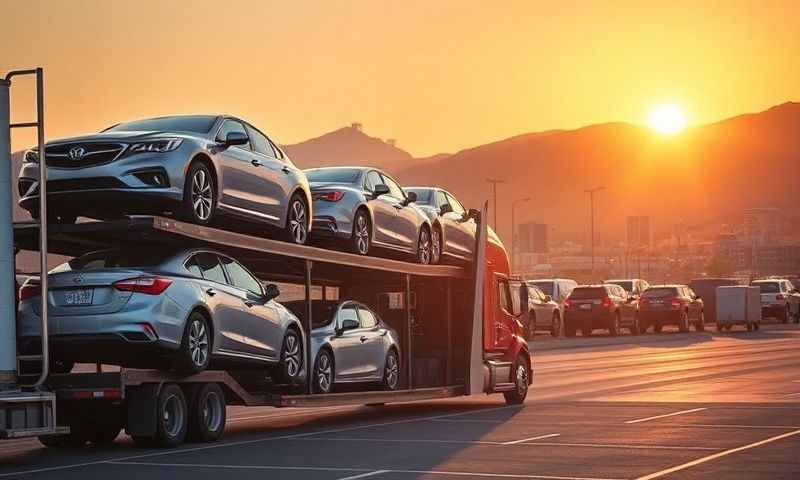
[(89, 292)]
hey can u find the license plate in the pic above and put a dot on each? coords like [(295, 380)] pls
[(78, 297), (586, 306)]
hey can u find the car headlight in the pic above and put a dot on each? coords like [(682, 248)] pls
[(31, 156), (155, 146)]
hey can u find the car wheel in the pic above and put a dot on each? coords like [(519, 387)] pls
[(635, 329), (683, 326), (297, 220), (291, 366), (613, 329), (749, 326), (555, 328), (786, 315), (569, 328), (206, 413), (657, 328), (424, 246), (195, 351), (362, 233), (199, 195), (323, 372), (700, 326), (391, 371), (520, 391), (436, 246)]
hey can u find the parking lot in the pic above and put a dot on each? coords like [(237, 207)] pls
[(697, 405)]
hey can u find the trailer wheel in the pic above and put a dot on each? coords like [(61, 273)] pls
[(520, 373), (391, 371), (206, 413), (171, 420)]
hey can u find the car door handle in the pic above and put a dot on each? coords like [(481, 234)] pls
[(255, 163), (363, 338), (397, 206), (249, 303), (286, 170), (211, 292)]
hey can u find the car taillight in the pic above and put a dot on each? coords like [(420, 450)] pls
[(567, 303), (780, 296), (676, 303), (28, 291), (146, 285), (328, 196), (606, 302)]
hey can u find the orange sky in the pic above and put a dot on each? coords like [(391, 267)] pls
[(436, 75)]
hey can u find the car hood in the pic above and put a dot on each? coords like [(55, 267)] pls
[(122, 136)]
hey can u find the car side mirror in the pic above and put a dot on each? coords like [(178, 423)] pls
[(445, 209), (347, 324), (411, 197), (474, 214), (697, 297), (548, 298), (235, 138), (381, 189), (271, 292)]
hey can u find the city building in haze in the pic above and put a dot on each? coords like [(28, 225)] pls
[(638, 232)]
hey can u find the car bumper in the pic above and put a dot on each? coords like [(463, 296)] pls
[(775, 310), (595, 319), (668, 317), (332, 220), (124, 349)]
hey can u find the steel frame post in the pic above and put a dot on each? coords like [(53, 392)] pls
[(8, 334), (309, 265), (409, 333)]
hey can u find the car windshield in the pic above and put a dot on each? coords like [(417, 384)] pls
[(586, 293), (768, 287), (423, 195), (626, 284), (546, 287), (660, 292), (114, 259), (333, 175), (191, 124)]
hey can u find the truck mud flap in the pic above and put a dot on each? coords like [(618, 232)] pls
[(141, 410)]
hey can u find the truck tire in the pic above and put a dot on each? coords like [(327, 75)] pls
[(171, 420), (520, 378), (206, 413)]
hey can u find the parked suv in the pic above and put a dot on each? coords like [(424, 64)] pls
[(591, 307), (779, 299), (197, 166), (662, 305), (557, 288)]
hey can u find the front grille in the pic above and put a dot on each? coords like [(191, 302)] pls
[(81, 155), (84, 184)]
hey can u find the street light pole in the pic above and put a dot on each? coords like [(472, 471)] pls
[(494, 182), (591, 192), (514, 229)]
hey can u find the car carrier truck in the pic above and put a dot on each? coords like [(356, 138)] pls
[(460, 335)]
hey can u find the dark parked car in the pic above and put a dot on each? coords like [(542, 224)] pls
[(609, 307), (197, 166), (662, 305)]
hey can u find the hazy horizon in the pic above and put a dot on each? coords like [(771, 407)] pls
[(438, 78)]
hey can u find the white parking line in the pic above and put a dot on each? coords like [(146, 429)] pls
[(367, 472), (251, 442), (626, 447), (682, 412), (394, 440), (365, 475), (794, 394), (540, 437), (715, 456), (446, 420)]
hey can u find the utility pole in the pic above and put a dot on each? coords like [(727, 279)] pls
[(514, 229), (591, 192), (494, 182)]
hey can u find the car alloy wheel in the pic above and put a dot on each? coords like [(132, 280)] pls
[(198, 343), (323, 372), (361, 233), (436, 246), (555, 329), (391, 371), (202, 195), (291, 357), (424, 247), (298, 221)]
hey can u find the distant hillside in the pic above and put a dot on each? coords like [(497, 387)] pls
[(702, 175), (348, 146)]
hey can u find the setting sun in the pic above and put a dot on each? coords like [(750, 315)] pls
[(667, 119)]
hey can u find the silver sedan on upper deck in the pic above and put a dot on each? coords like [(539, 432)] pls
[(367, 208), (454, 227), (198, 166)]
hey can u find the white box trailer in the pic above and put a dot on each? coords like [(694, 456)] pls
[(738, 305)]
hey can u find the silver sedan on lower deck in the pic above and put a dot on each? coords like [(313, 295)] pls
[(167, 308), (366, 208)]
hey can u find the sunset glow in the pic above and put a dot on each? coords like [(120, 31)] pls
[(667, 119)]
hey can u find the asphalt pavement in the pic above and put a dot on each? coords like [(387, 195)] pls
[(694, 406)]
